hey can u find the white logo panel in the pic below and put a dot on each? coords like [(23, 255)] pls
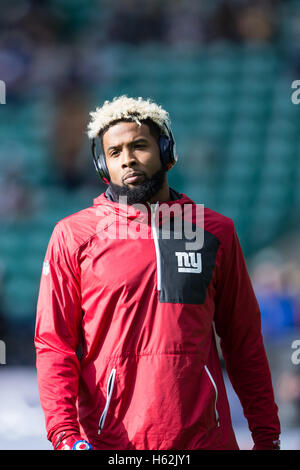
[(189, 262)]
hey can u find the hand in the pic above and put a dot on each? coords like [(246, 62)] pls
[(71, 442), (274, 445)]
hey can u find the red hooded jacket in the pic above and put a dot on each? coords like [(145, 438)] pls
[(125, 332)]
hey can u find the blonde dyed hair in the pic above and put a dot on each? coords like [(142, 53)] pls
[(123, 107)]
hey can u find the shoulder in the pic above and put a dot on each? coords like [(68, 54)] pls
[(217, 224), (78, 228), (220, 225)]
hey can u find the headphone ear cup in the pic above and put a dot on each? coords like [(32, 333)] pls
[(100, 163), (103, 171), (166, 151)]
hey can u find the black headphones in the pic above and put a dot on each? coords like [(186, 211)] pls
[(167, 148)]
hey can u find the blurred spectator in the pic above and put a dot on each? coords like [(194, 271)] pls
[(288, 391), (223, 24), (244, 21), (184, 23), (135, 22), (69, 134), (289, 386), (15, 195), (43, 24), (277, 287), (290, 278), (16, 56), (29, 29), (255, 23)]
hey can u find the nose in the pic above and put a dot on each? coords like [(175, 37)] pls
[(128, 158)]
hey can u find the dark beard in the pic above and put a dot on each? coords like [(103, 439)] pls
[(142, 192)]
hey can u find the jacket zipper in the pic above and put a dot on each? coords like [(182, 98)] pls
[(156, 244), (216, 393), (109, 390)]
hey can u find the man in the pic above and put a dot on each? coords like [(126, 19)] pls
[(126, 317)]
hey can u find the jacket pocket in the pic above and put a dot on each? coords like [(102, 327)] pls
[(216, 393), (109, 391)]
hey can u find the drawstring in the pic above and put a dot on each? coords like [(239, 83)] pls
[(109, 390)]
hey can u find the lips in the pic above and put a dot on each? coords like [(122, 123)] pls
[(133, 176)]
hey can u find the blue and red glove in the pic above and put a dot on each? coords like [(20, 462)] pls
[(64, 441)]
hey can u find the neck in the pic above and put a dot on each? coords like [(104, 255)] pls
[(162, 195)]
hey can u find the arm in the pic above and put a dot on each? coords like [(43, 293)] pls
[(238, 324), (57, 337)]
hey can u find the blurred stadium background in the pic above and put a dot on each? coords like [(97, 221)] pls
[(223, 69)]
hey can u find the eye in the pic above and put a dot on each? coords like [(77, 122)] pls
[(114, 153), (140, 145)]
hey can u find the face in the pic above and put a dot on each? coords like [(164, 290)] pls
[(132, 153), (133, 161)]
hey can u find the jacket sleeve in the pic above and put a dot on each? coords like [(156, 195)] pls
[(238, 324), (57, 336)]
